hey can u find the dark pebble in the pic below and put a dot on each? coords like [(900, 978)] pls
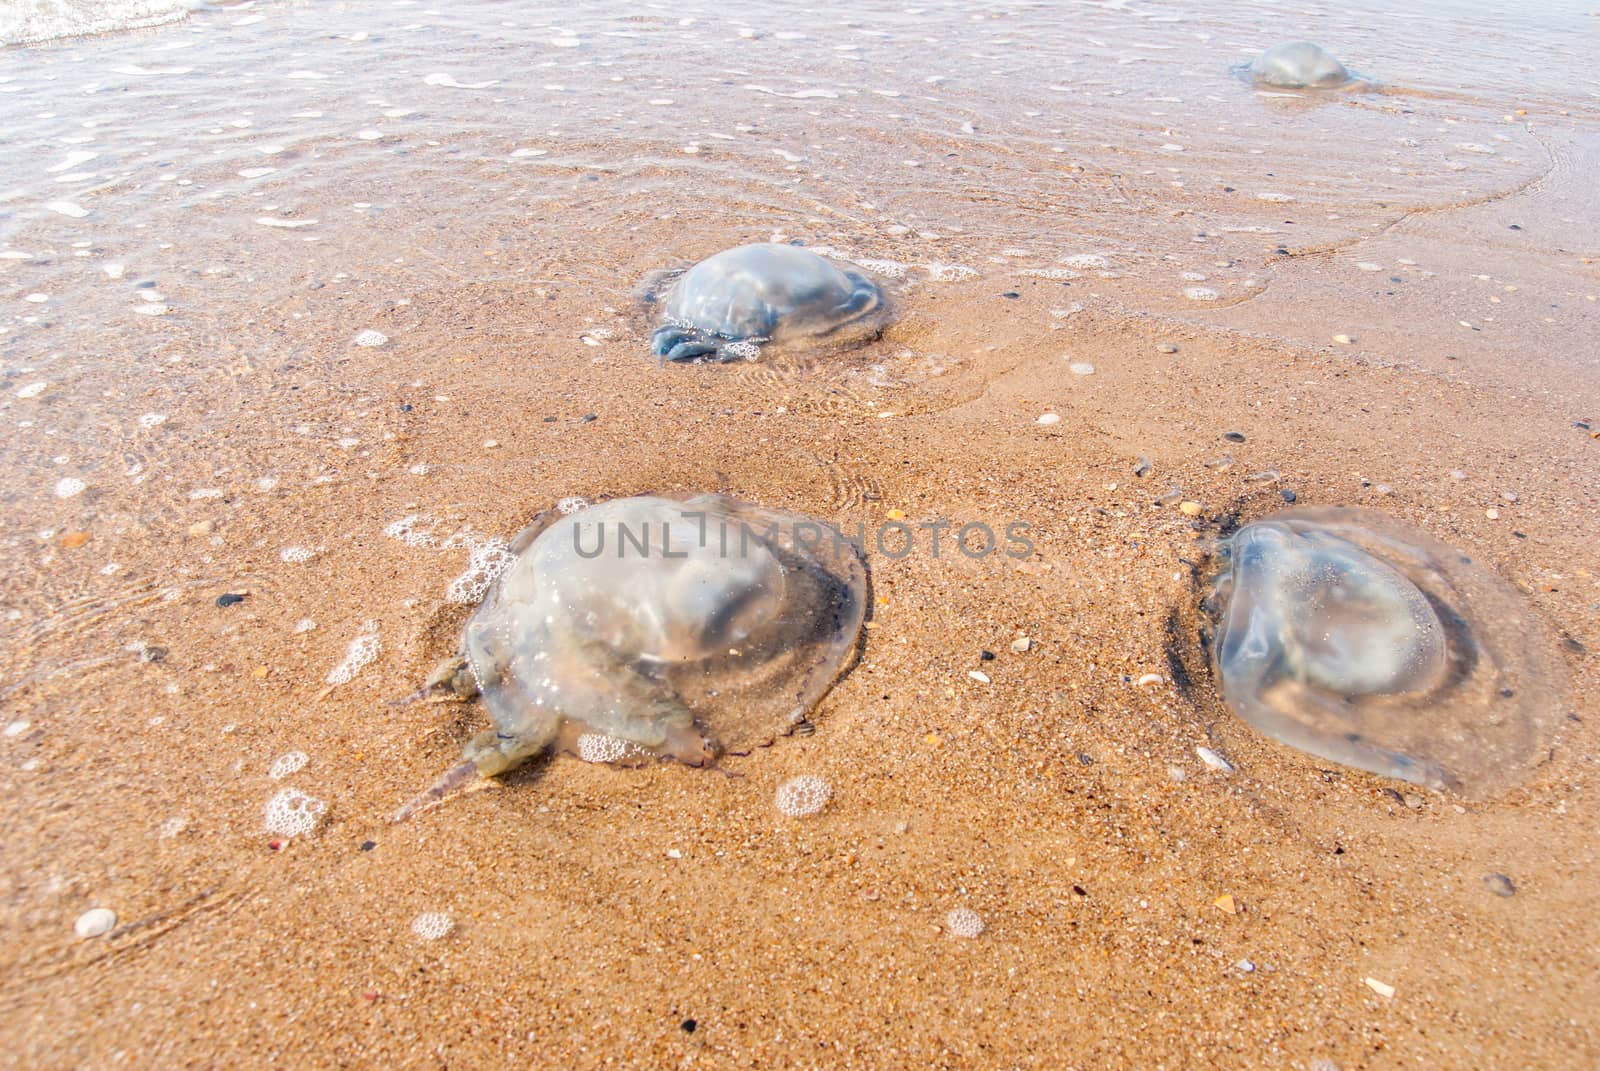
[(549, 420), (1010, 294), (689, 1026), (1085, 758), (1516, 226), (1234, 436), (368, 845), (153, 654), (1227, 189), (1080, 890), (1499, 884), (987, 656), (406, 408), (230, 599), (590, 417), (1288, 495)]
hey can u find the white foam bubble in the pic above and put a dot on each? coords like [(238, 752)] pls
[(1086, 261), (416, 530), (964, 922), (486, 561), (801, 797), (889, 269), (67, 208), (284, 765), (432, 925), (949, 273), (297, 555), (1200, 293), (363, 650), (572, 504), (370, 338), (69, 487), (292, 813), (598, 747)]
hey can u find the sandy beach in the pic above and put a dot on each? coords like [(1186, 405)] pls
[(1402, 327)]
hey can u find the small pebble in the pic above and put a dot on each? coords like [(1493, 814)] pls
[(1149, 679), (1081, 368), (1492, 514), (1245, 965), (201, 528), (1499, 884), (1050, 418), (1021, 644), (1234, 436), (1143, 468), (96, 922), (1413, 801), (978, 675), (1213, 760), (1383, 989), (1343, 340), (1190, 509), (230, 599), (1167, 347)]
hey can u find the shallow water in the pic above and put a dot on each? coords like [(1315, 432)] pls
[(315, 304)]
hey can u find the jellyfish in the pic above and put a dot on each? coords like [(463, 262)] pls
[(650, 627), (729, 305), (1354, 638)]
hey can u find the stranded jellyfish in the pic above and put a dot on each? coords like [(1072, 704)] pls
[(1299, 65), (1354, 638), (650, 627), (728, 305)]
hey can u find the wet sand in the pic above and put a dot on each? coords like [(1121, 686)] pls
[(671, 916)]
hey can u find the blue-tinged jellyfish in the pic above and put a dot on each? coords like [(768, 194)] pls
[(1367, 643), (655, 628), (728, 306)]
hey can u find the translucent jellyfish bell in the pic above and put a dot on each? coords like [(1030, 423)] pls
[(651, 627), (1299, 65), (1354, 638), (729, 305)]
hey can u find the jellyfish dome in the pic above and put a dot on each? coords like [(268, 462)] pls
[(1357, 639)]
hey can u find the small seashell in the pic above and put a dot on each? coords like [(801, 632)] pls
[(95, 922)]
